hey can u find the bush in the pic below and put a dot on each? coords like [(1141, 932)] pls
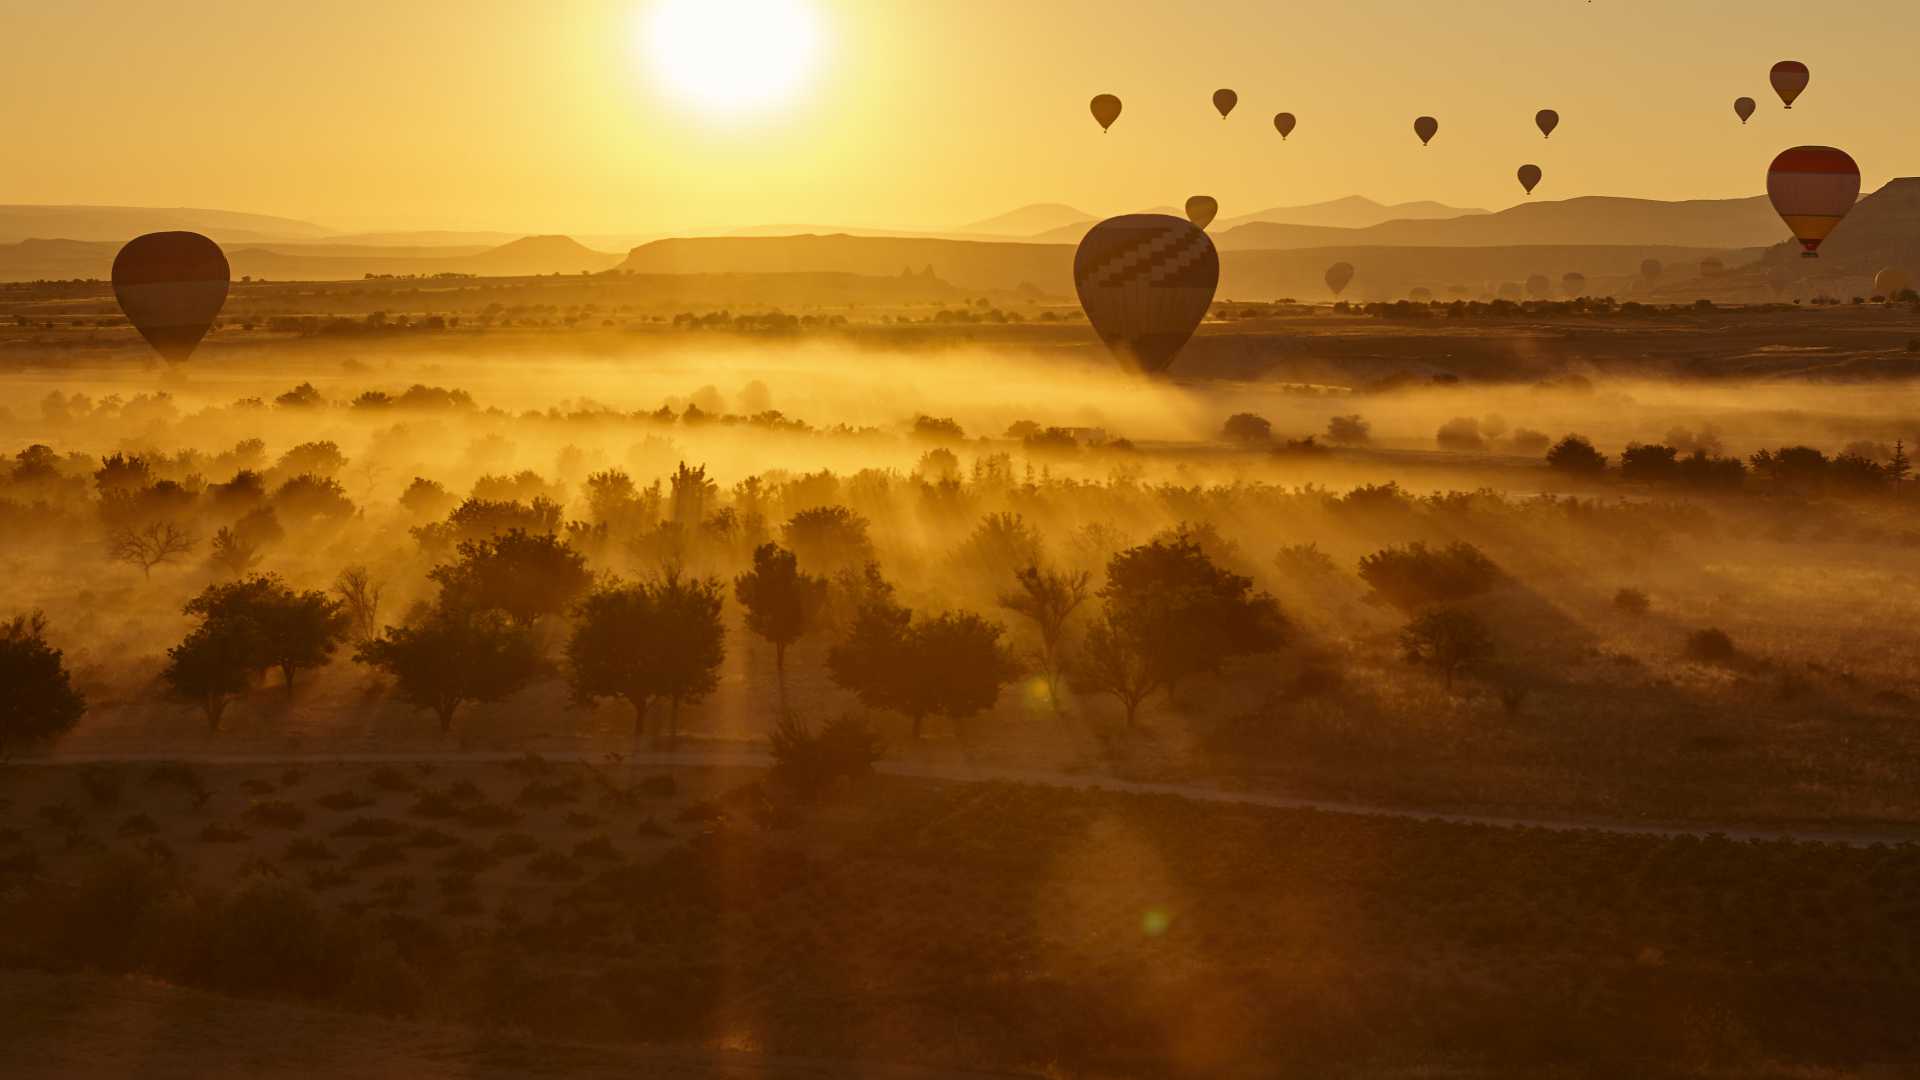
[(1416, 577), (809, 764), (1575, 455), (1711, 646)]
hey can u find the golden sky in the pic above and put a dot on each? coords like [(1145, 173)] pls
[(557, 115)]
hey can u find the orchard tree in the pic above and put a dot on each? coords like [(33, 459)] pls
[(526, 575), (453, 657), (953, 665), (1115, 660), (290, 630), (213, 665), (1185, 614), (690, 641), (1049, 598), (783, 603), (39, 702), (1447, 640), (608, 653)]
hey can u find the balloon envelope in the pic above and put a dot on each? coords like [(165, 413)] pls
[(1812, 188), (1891, 282), (1145, 282), (1529, 176), (1338, 275), (1538, 286), (1425, 127), (1420, 294), (1743, 107), (1201, 209), (1106, 109), (1283, 123), (171, 286), (1573, 283), (1789, 77), (1225, 100), (1650, 268), (1546, 120)]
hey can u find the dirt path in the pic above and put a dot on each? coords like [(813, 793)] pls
[(973, 774)]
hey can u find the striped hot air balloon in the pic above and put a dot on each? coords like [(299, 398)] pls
[(171, 286), (1145, 282), (1789, 77), (1812, 188)]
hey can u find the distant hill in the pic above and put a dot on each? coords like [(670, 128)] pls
[(1592, 219), (976, 264), (1028, 221), (30, 260), (1882, 230), (1352, 212), (122, 223)]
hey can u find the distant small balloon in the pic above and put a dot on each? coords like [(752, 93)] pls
[(1546, 120), (1529, 176), (1789, 78), (171, 285), (1283, 123), (1538, 286), (1106, 109), (1573, 283), (1420, 294), (1201, 209), (1225, 100), (1145, 282), (1650, 269), (1337, 277), (1425, 127), (1891, 282), (1743, 107)]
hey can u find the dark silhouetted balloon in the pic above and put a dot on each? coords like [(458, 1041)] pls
[(1546, 120), (1283, 123), (1538, 286), (1338, 275), (1812, 188), (1225, 100), (1789, 78), (1529, 176), (171, 286), (1420, 294), (1425, 127), (1743, 107), (1573, 283), (1145, 282), (1891, 282), (1106, 109), (1650, 269), (1201, 209)]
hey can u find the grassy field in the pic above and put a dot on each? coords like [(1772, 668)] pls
[(1005, 926)]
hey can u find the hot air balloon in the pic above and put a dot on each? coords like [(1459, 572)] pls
[(1145, 282), (1283, 123), (1420, 294), (1106, 109), (1511, 290), (1711, 267), (1538, 286), (1789, 77), (171, 286), (1338, 275), (1743, 107), (1201, 209), (1225, 100), (1812, 188), (1546, 120), (1573, 283), (1891, 282), (1425, 127), (1529, 176), (1650, 269)]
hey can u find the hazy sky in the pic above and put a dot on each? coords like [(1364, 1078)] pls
[(557, 115)]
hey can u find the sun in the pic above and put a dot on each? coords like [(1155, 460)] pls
[(731, 56)]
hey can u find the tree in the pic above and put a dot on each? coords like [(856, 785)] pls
[(213, 665), (39, 702), (1649, 463), (147, 546), (952, 665), (360, 595), (1114, 660), (1447, 640), (1416, 576), (523, 574), (831, 538), (609, 651), (1049, 598), (691, 641), (1575, 455), (232, 553), (453, 657), (1186, 614), (999, 547), (782, 603), (1247, 429), (290, 630), (1349, 430)]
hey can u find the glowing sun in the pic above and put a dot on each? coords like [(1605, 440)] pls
[(731, 56)]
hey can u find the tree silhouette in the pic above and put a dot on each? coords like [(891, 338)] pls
[(526, 575), (39, 702), (1115, 660), (1248, 429), (214, 664), (289, 630), (453, 657), (782, 603), (1575, 455), (360, 595), (831, 538), (1416, 576), (232, 553), (147, 546), (952, 665), (1049, 598), (1446, 640), (692, 641), (1184, 613)]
